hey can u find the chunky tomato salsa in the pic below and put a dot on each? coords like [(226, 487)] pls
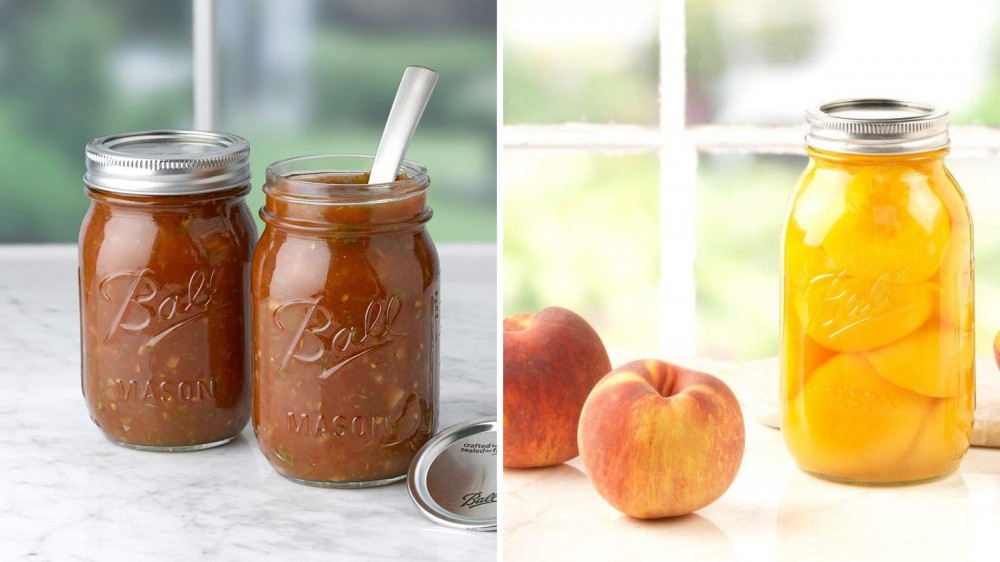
[(346, 314), (164, 293)]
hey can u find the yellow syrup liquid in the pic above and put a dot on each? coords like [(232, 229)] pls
[(877, 354)]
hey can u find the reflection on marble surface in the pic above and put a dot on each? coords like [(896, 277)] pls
[(773, 511), (554, 513), (930, 521), (68, 494)]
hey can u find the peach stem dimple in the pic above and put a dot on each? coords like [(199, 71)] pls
[(666, 385)]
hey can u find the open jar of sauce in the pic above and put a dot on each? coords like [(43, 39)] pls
[(877, 366), (164, 275), (345, 321)]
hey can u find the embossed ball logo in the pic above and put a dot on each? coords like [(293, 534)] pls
[(144, 305), (320, 337)]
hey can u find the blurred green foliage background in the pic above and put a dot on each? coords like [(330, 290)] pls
[(297, 77)]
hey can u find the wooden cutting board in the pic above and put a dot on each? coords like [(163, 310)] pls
[(755, 384)]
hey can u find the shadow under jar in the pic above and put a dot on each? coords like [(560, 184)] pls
[(346, 320), (164, 277)]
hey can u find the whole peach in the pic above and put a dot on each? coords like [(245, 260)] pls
[(551, 360), (659, 440)]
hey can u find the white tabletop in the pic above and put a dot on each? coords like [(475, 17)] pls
[(66, 493), (773, 511)]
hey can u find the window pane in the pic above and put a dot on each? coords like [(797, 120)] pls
[(72, 71), (303, 77), (584, 61), (581, 231), (768, 60), (741, 205)]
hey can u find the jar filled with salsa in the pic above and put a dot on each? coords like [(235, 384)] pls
[(345, 320), (878, 381), (164, 275)]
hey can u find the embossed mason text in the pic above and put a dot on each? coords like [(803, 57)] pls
[(165, 391)]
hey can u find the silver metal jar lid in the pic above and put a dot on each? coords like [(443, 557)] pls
[(453, 478), (877, 126), (167, 162)]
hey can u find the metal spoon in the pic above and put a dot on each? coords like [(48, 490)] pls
[(411, 99)]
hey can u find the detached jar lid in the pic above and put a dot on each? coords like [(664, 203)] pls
[(877, 126), (453, 478), (167, 162)]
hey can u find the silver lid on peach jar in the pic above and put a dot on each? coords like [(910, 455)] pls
[(877, 126), (453, 478), (168, 162)]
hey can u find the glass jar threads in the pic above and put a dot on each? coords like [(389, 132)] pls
[(164, 277), (345, 321), (877, 357)]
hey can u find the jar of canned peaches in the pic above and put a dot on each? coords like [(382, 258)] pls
[(877, 357)]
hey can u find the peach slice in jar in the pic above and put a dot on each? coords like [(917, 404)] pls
[(850, 422), (893, 224), (802, 262), (850, 314), (955, 274), (929, 361), (821, 203), (801, 355), (941, 442), (817, 208), (955, 280)]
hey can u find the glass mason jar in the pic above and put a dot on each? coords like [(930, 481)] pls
[(345, 321), (877, 357), (164, 279)]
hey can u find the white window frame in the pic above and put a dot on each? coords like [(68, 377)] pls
[(678, 145)]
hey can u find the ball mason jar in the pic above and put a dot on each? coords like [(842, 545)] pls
[(877, 357), (345, 321), (164, 278)]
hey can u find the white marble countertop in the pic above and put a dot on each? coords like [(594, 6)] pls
[(773, 511), (66, 493)]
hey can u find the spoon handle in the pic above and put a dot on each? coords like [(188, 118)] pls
[(411, 99)]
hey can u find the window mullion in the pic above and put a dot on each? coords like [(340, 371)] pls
[(678, 169)]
